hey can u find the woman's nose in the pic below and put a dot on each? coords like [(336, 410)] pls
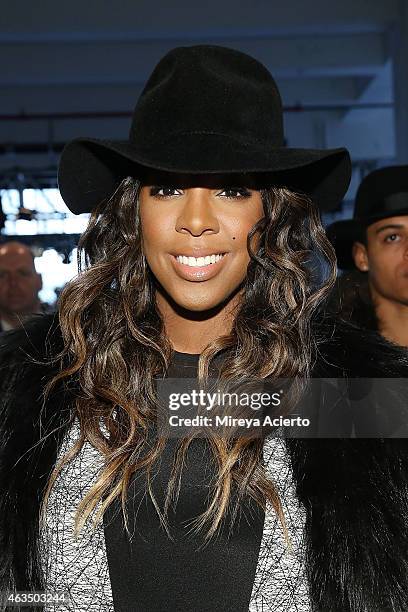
[(197, 215)]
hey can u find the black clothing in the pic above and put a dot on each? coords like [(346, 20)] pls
[(151, 572), (351, 301), (354, 492)]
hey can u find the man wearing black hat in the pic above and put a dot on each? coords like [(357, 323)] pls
[(375, 242)]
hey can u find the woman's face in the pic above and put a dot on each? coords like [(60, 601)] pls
[(194, 232)]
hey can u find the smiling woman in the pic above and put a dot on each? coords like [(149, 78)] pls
[(197, 263), (181, 228)]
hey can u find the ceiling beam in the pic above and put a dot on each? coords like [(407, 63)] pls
[(95, 19), (132, 62), (121, 98)]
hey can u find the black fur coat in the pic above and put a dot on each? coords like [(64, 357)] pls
[(355, 491)]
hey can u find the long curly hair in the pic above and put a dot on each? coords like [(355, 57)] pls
[(351, 300), (116, 347)]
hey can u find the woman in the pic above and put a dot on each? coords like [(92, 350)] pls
[(96, 502)]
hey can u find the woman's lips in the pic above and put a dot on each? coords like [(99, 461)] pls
[(198, 273)]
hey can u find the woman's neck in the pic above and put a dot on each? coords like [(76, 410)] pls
[(193, 331)]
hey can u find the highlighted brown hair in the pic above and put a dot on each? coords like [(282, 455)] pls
[(115, 346)]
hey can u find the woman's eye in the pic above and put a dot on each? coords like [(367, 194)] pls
[(235, 193), (392, 238), (164, 192)]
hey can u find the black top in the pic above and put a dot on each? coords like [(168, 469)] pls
[(151, 572)]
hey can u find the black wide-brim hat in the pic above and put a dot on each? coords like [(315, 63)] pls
[(204, 110), (382, 193)]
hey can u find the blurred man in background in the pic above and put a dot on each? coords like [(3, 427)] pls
[(375, 244), (19, 285)]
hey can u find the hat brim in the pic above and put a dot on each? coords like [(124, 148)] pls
[(91, 169), (343, 234)]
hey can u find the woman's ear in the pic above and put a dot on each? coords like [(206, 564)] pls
[(360, 256)]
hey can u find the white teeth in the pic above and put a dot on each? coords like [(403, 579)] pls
[(198, 261)]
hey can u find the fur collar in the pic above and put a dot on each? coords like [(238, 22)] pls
[(355, 491), (24, 464)]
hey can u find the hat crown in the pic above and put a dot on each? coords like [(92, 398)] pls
[(208, 89), (205, 109), (375, 193)]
